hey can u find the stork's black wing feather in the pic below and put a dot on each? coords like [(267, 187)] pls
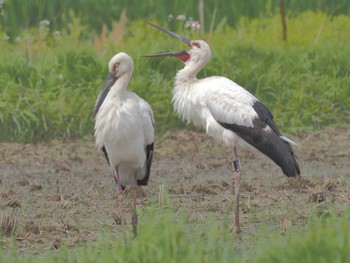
[(267, 141), (105, 153), (149, 157), (265, 115)]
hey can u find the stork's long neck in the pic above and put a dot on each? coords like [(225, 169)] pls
[(120, 85), (187, 75), (184, 81)]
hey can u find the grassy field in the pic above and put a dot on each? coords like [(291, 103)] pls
[(58, 204), (167, 238), (49, 83)]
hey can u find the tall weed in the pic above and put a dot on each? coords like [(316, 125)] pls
[(19, 15), (164, 237), (49, 83)]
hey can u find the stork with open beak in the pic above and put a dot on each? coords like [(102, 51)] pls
[(124, 131), (226, 111)]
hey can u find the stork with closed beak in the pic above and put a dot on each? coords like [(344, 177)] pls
[(124, 131), (227, 112)]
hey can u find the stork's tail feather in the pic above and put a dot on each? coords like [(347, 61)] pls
[(288, 162), (279, 149), (288, 140)]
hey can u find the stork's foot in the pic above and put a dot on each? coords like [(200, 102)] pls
[(235, 230)]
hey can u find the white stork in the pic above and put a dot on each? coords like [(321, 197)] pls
[(124, 131), (227, 112)]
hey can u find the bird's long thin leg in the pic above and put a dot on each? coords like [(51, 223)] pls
[(134, 214), (237, 182), (120, 189)]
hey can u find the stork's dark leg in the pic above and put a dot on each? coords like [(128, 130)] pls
[(134, 214), (120, 189), (237, 182)]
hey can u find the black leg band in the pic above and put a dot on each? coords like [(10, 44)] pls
[(120, 186), (237, 165)]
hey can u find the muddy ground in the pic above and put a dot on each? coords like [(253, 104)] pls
[(63, 192)]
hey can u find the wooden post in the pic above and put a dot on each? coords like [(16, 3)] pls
[(283, 18), (201, 16)]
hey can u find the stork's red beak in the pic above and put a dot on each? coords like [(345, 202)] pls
[(183, 55)]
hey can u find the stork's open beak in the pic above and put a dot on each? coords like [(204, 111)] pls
[(183, 55), (179, 37)]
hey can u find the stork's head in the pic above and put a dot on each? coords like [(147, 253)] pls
[(120, 65), (199, 52), (198, 55)]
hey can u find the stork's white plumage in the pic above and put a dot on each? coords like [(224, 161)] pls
[(124, 130), (226, 111)]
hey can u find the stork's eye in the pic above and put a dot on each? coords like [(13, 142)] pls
[(196, 44), (115, 68)]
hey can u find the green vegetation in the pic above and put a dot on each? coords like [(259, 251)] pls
[(49, 82), (52, 68), (17, 15), (164, 238)]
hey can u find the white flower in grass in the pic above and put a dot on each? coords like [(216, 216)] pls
[(195, 26), (181, 17), (57, 35), (44, 27), (170, 17), (44, 22)]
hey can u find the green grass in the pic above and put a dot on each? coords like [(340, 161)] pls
[(18, 15), (325, 241), (49, 84), (165, 238)]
